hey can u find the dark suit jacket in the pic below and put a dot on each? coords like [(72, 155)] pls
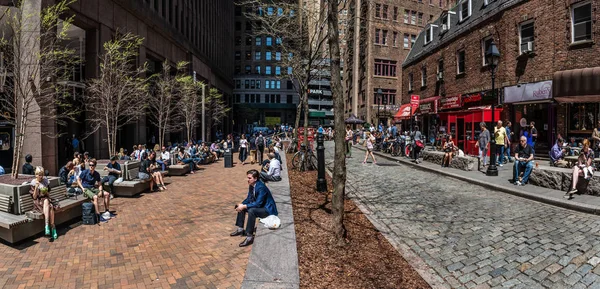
[(262, 198)]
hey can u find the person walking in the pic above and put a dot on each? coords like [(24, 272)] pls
[(500, 136), (483, 143), (534, 134), (418, 143), (243, 149), (370, 139), (261, 143), (509, 135), (349, 140)]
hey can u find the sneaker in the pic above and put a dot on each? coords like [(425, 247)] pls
[(102, 219), (572, 191), (47, 230), (520, 184), (517, 183), (54, 234), (500, 165), (111, 215), (567, 196), (106, 215)]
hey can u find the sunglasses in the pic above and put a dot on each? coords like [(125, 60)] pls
[(92, 165)]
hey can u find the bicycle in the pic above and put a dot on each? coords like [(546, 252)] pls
[(304, 159)]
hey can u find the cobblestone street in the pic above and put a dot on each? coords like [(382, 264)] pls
[(470, 236)]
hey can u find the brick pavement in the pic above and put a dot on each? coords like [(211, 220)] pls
[(469, 236), (178, 238)]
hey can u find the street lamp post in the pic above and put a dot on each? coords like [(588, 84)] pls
[(379, 92), (492, 56)]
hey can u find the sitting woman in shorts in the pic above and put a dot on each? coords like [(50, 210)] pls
[(449, 149), (156, 174), (144, 173), (40, 192)]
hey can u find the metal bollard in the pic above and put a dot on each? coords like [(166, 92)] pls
[(321, 181)]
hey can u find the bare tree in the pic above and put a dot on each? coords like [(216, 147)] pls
[(119, 95), (299, 32), (189, 104), (217, 108), (37, 64), (163, 105), (339, 164)]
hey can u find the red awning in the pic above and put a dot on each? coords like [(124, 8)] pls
[(429, 99), (405, 112)]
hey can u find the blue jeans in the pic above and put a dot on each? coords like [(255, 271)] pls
[(507, 149), (190, 162), (500, 152), (518, 167), (164, 166), (243, 154)]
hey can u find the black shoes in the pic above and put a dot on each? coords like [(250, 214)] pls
[(237, 232), (247, 241)]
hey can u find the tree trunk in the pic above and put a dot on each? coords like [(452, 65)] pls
[(305, 105), (339, 164), (298, 113)]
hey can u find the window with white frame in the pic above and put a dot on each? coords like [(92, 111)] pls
[(429, 34), (395, 42), (526, 36), (406, 45), (581, 22), (485, 46), (464, 9), (460, 62), (410, 82), (423, 76), (406, 12)]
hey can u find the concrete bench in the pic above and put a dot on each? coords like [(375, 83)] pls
[(466, 163), (561, 179), (132, 186), (179, 170)]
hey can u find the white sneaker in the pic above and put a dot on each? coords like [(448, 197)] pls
[(500, 165), (106, 215)]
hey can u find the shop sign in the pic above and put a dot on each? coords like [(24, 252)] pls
[(315, 91), (528, 92), (450, 102), (414, 100), (429, 107), (471, 98)]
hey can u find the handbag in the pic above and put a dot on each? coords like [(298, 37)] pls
[(419, 143)]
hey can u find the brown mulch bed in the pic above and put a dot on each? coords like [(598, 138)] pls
[(6, 179), (367, 261)]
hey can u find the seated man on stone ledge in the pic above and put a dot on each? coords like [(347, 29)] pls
[(259, 203), (557, 154), (274, 170), (523, 160)]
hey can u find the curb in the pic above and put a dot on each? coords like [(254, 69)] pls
[(559, 202)]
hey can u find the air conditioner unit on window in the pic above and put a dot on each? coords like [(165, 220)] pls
[(440, 76), (444, 27), (527, 47)]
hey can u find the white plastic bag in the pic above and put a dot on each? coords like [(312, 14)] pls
[(119, 180), (271, 222)]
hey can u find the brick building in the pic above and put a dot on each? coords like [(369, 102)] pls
[(548, 71), (378, 37), (177, 30)]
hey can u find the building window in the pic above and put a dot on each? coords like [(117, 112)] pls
[(581, 21), (406, 16), (277, 70), (423, 76), (272, 84), (268, 70), (290, 84), (377, 10), (395, 42), (377, 32), (413, 38), (278, 40), (248, 55), (258, 84), (238, 40), (385, 11), (252, 84), (246, 98), (413, 17), (259, 11), (290, 56), (420, 19), (267, 84), (385, 67), (258, 69), (237, 69), (269, 41), (248, 26), (440, 70), (445, 21), (248, 69), (279, 11), (237, 98), (257, 55), (247, 84), (388, 97), (485, 45), (406, 41), (410, 82), (441, 4), (395, 13), (238, 84), (278, 84), (460, 62), (278, 56), (248, 41), (384, 37), (431, 2), (465, 9), (268, 55), (258, 41), (289, 70), (238, 26), (289, 98), (238, 55), (269, 10), (428, 34), (526, 32)]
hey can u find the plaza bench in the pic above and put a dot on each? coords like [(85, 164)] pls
[(466, 163), (132, 186), (179, 170)]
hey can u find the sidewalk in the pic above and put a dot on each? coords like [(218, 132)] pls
[(582, 203)]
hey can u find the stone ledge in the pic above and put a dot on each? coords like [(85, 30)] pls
[(561, 179), (462, 163)]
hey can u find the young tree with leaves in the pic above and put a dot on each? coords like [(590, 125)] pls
[(119, 95), (38, 62)]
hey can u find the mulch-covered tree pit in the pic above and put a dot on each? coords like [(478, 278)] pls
[(6, 179), (367, 261)]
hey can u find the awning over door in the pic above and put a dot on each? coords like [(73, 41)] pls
[(405, 112), (577, 85)]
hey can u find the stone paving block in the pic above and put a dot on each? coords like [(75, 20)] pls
[(497, 281), (467, 277), (497, 272), (573, 278), (584, 269), (482, 279), (469, 269), (554, 268), (511, 283), (455, 266), (569, 269), (589, 278), (594, 261)]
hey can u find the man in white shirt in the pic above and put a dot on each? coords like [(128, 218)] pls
[(274, 173), (165, 156)]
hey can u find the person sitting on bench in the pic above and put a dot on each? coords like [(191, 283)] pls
[(114, 171), (557, 154), (259, 203), (87, 181), (40, 192), (274, 170), (523, 159), (585, 161), (154, 169)]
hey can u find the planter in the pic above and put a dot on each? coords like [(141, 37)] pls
[(16, 189)]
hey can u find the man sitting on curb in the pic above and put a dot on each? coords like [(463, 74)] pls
[(557, 154), (523, 159), (87, 181), (259, 203), (274, 173)]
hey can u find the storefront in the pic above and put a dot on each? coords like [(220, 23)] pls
[(578, 94), (533, 102), (403, 116), (463, 122), (427, 116)]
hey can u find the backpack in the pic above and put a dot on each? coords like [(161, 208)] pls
[(261, 141)]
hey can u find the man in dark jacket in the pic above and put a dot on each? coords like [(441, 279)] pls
[(259, 203)]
